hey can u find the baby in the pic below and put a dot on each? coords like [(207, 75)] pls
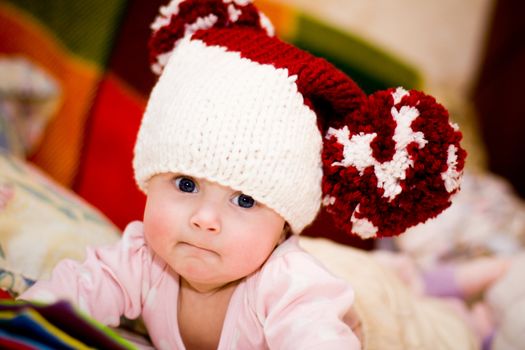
[(243, 138)]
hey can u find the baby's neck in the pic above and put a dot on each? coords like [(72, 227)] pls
[(205, 289), (201, 314)]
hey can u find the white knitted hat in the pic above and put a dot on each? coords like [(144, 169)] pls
[(235, 105)]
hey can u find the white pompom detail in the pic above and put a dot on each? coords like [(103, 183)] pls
[(357, 151), (189, 29), (363, 227), (328, 200), (451, 177), (200, 23), (238, 2), (165, 14), (266, 24), (399, 94), (162, 60), (233, 13)]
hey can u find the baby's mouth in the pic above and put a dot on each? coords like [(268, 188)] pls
[(196, 247)]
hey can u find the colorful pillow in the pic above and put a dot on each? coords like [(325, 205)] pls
[(29, 98), (41, 224)]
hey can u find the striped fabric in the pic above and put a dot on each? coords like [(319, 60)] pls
[(57, 326)]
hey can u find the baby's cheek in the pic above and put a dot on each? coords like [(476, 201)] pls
[(251, 255), (158, 215), (156, 233)]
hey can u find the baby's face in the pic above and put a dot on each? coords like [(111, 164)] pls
[(209, 234)]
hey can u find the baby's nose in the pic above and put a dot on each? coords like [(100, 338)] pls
[(206, 217)]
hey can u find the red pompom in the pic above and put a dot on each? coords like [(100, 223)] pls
[(393, 166), (181, 18)]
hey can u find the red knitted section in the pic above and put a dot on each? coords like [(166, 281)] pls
[(328, 91), (189, 11)]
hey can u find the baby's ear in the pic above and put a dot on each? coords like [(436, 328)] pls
[(153, 178), (286, 233), (394, 163)]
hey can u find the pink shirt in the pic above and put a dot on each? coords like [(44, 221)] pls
[(291, 302)]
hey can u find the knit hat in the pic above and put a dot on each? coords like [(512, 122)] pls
[(236, 105)]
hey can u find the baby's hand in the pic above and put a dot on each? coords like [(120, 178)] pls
[(352, 319), (476, 276)]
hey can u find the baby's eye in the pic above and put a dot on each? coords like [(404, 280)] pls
[(185, 184), (243, 201)]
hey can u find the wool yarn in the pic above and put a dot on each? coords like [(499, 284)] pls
[(236, 105)]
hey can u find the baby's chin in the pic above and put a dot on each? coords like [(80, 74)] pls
[(201, 268)]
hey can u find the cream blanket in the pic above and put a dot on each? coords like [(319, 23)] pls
[(392, 316)]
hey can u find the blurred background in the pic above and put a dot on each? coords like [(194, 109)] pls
[(74, 80)]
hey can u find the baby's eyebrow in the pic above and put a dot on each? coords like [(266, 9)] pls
[(184, 175)]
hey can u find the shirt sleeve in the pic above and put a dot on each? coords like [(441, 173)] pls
[(107, 285), (303, 306)]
